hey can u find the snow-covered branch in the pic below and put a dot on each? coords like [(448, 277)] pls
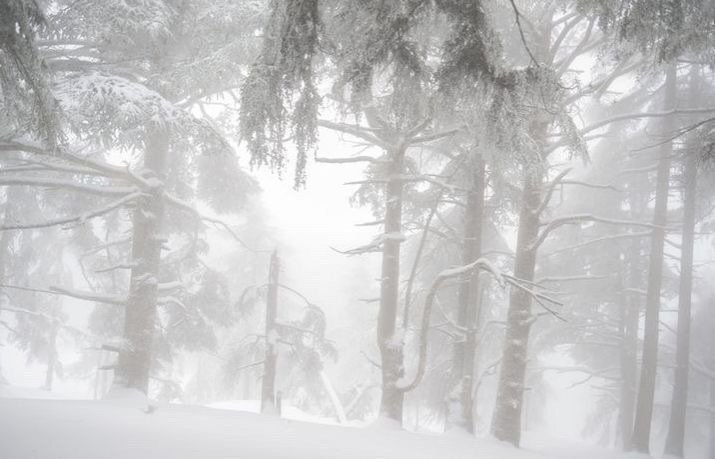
[(77, 219), (479, 264), (64, 183), (81, 295)]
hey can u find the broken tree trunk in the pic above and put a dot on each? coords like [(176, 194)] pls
[(268, 385), (134, 362), (646, 389)]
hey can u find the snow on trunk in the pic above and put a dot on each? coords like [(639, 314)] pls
[(134, 363), (391, 353), (268, 383), (465, 352), (506, 422)]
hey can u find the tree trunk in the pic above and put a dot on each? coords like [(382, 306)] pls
[(268, 385), (646, 390), (712, 413), (5, 243), (630, 316), (465, 351), (391, 346), (506, 423), (134, 363), (51, 356), (678, 407)]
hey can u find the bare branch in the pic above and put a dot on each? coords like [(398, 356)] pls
[(355, 131), (578, 218), (431, 137), (550, 191), (591, 185), (352, 159), (600, 239)]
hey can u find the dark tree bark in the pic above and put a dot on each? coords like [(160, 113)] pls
[(134, 363), (391, 347), (646, 390), (468, 296), (268, 385), (676, 431), (506, 423)]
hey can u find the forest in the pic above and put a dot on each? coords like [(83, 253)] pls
[(367, 228)]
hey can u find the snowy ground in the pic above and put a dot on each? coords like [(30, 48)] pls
[(82, 429)]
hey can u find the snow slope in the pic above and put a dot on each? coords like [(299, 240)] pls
[(60, 429)]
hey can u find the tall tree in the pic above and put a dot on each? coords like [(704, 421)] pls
[(649, 367), (674, 444)]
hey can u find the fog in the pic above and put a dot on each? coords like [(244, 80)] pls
[(415, 228)]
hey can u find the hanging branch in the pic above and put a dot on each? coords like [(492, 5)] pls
[(517, 17)]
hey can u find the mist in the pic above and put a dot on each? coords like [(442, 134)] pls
[(309, 228)]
